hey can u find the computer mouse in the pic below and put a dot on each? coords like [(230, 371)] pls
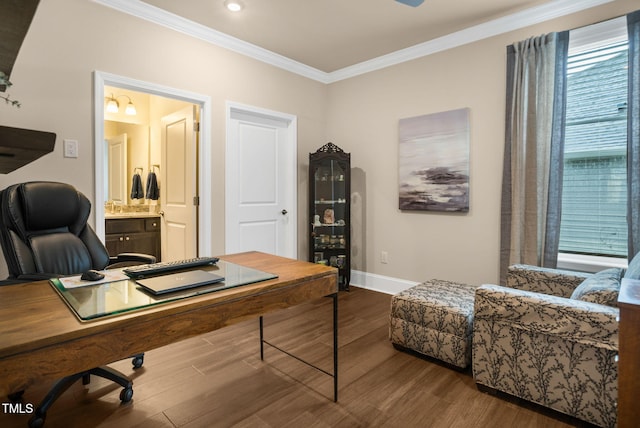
[(92, 275)]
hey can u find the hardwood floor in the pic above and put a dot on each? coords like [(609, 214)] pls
[(218, 380)]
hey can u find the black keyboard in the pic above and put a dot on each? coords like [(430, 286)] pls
[(141, 271)]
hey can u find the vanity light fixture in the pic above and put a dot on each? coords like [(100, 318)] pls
[(113, 105), (234, 5), (130, 109)]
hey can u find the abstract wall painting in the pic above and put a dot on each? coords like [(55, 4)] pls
[(434, 162)]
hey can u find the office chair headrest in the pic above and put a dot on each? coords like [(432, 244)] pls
[(47, 205), (44, 230)]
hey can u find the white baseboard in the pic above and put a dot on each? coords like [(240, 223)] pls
[(383, 284)]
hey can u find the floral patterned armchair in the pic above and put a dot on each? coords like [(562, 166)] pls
[(551, 337)]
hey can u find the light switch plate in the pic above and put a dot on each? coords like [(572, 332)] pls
[(70, 148)]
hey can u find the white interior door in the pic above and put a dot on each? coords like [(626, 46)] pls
[(178, 186), (117, 170), (261, 184)]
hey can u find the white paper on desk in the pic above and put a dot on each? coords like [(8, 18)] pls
[(109, 276)]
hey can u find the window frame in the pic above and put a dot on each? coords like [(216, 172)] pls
[(581, 40)]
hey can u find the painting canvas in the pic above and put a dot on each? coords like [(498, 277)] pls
[(434, 162)]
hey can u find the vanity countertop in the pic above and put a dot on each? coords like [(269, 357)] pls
[(109, 216)]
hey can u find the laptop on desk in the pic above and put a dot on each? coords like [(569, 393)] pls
[(178, 281)]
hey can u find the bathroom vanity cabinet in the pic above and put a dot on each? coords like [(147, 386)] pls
[(133, 235)]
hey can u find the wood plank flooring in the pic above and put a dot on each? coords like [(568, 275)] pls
[(218, 380)]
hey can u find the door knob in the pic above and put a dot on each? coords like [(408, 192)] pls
[(161, 213), (284, 212)]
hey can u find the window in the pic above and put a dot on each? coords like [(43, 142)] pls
[(594, 194)]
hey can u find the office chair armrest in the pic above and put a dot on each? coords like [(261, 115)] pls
[(31, 277), (23, 279), (132, 257)]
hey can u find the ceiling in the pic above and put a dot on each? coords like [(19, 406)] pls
[(333, 40), (333, 34)]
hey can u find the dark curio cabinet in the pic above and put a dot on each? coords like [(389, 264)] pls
[(330, 210)]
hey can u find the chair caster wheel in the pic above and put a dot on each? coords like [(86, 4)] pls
[(37, 421), (126, 394), (138, 361)]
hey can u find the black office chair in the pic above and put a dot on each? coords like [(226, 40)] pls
[(44, 234)]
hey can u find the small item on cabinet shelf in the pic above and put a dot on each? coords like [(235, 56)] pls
[(340, 177), (342, 260), (333, 261), (322, 262), (316, 220), (340, 223), (317, 256), (329, 216)]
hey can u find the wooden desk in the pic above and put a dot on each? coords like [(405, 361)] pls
[(42, 340)]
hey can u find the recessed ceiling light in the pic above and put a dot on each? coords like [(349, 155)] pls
[(234, 5)]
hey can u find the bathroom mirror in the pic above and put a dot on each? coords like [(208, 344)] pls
[(127, 150), (116, 180)]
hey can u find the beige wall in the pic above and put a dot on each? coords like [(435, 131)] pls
[(362, 118), (69, 39)]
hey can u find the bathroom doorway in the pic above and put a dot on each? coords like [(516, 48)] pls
[(146, 198)]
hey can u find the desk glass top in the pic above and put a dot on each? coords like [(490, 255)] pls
[(113, 298)]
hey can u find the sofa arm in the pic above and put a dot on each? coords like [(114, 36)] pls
[(572, 320), (556, 352), (555, 282)]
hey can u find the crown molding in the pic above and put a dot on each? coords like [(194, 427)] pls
[(177, 23), (525, 18), (496, 27)]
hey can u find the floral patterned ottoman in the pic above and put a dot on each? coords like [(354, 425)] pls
[(435, 318)]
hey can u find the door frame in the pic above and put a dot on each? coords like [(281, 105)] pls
[(204, 179), (292, 172)]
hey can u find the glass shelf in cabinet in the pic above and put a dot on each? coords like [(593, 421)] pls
[(330, 202)]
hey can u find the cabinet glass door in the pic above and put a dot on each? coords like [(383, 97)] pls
[(330, 215), (329, 210)]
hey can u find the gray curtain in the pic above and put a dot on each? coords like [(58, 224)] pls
[(534, 146), (633, 134)]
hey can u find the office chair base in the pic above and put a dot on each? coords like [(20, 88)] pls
[(14, 397), (40, 414)]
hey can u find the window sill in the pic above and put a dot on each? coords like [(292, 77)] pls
[(585, 263)]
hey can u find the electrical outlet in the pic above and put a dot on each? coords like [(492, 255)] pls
[(70, 148), (384, 257)]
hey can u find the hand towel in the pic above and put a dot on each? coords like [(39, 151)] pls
[(136, 187), (153, 192)]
